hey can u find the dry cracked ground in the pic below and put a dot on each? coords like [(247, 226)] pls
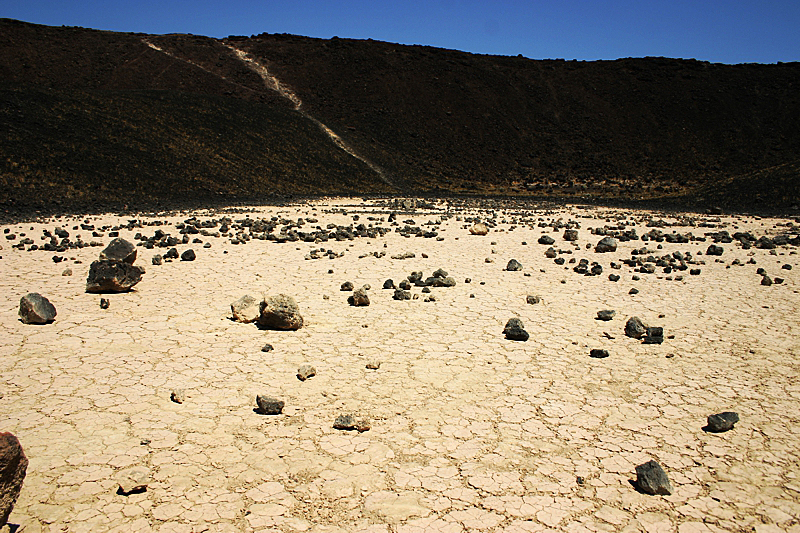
[(469, 431)]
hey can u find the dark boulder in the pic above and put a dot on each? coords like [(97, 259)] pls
[(119, 250), (515, 330), (36, 309), (651, 479), (112, 276), (722, 422), (13, 465), (280, 312)]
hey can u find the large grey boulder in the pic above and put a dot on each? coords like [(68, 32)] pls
[(119, 250), (36, 309), (13, 465), (112, 276), (246, 309), (280, 312)]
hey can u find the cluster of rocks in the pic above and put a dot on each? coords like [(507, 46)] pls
[(637, 329), (274, 312), (114, 271)]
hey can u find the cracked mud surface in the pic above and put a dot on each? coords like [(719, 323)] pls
[(469, 431)]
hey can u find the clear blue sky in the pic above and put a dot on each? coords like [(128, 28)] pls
[(725, 31)]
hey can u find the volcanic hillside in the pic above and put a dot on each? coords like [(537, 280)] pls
[(96, 119)]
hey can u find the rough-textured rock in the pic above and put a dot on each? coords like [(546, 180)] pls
[(267, 348), (351, 422), (514, 265), (188, 255), (373, 364), (546, 239), (267, 405), (479, 229), (515, 330), (570, 235), (104, 303), (13, 465), (360, 298), (652, 479), (606, 244), (389, 284), (112, 276), (532, 299), (133, 480), (119, 250), (713, 249), (306, 371), (598, 353), (246, 309), (346, 286), (280, 312), (655, 335), (400, 294), (606, 314), (157, 260), (36, 309), (635, 328), (178, 395), (722, 421)]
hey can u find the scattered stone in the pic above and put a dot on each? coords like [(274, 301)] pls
[(651, 479), (389, 284), (655, 335), (694, 272), (606, 314), (606, 244), (188, 255), (722, 422), (634, 290), (133, 480), (359, 298), (36, 309), (713, 249), (766, 281), (306, 371), (13, 465), (373, 364), (157, 260), (551, 253), (280, 312), (119, 250), (400, 294), (104, 303), (268, 405), (479, 229), (350, 422), (546, 239), (246, 309), (67, 272), (267, 348), (570, 235), (635, 328), (613, 277), (346, 286), (178, 395), (112, 276), (598, 353), (514, 266), (533, 299), (515, 330)]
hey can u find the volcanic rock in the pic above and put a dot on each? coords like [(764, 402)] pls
[(246, 309), (36, 309), (280, 312), (119, 250), (359, 298), (268, 405), (606, 244), (514, 265), (652, 479), (722, 422), (515, 330), (13, 465), (635, 328), (112, 276)]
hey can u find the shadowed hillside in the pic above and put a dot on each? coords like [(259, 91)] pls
[(101, 116)]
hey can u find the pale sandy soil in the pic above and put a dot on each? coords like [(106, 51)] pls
[(470, 431)]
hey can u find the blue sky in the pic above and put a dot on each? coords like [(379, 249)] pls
[(732, 31)]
